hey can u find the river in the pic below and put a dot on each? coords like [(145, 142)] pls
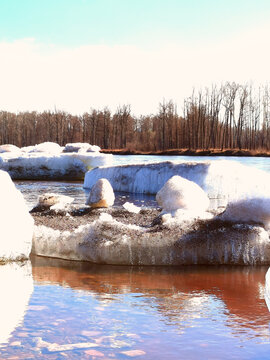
[(73, 310)]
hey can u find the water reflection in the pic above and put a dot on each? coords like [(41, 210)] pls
[(81, 311), (16, 288), (178, 293)]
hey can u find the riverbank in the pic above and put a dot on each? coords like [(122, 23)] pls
[(189, 152)]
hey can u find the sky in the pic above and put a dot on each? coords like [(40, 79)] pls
[(74, 55)]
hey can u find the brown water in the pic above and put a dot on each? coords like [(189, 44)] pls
[(114, 312)]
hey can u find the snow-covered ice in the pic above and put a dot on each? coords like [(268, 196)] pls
[(16, 288), (108, 241), (47, 161), (16, 227), (219, 179)]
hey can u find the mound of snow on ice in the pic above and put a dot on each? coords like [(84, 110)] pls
[(180, 193), (250, 210), (219, 179), (16, 288), (80, 147), (101, 194), (16, 227), (46, 147), (9, 148)]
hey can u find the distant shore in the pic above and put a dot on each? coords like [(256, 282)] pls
[(188, 152)]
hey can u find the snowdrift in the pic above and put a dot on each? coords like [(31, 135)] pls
[(16, 227), (49, 161)]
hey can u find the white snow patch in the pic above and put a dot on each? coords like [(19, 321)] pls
[(16, 228), (9, 148), (131, 207)]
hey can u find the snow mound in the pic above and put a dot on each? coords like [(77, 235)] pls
[(101, 194), (180, 193), (108, 241), (16, 288), (250, 210), (219, 179), (9, 148), (81, 147), (16, 228), (46, 147)]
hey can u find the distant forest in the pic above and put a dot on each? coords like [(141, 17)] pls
[(231, 116)]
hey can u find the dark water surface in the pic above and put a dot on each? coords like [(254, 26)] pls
[(113, 312)]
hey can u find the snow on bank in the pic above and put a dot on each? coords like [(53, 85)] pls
[(108, 241), (16, 288), (47, 161), (219, 179), (16, 227)]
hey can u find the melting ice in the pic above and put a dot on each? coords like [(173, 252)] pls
[(49, 161)]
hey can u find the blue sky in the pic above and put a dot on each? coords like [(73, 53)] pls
[(137, 22), (84, 43)]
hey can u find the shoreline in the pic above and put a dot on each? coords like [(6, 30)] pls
[(188, 152)]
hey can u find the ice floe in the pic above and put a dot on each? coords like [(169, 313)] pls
[(48, 161), (16, 228), (109, 241), (219, 179), (16, 288)]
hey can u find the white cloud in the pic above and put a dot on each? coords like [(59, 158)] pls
[(38, 77)]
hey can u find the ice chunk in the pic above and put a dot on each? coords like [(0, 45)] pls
[(50, 199), (250, 210), (108, 241), (44, 166), (16, 288), (9, 148), (131, 207), (180, 193), (46, 147), (76, 147), (16, 227), (101, 194), (219, 179)]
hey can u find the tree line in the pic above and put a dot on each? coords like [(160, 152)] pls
[(230, 116)]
